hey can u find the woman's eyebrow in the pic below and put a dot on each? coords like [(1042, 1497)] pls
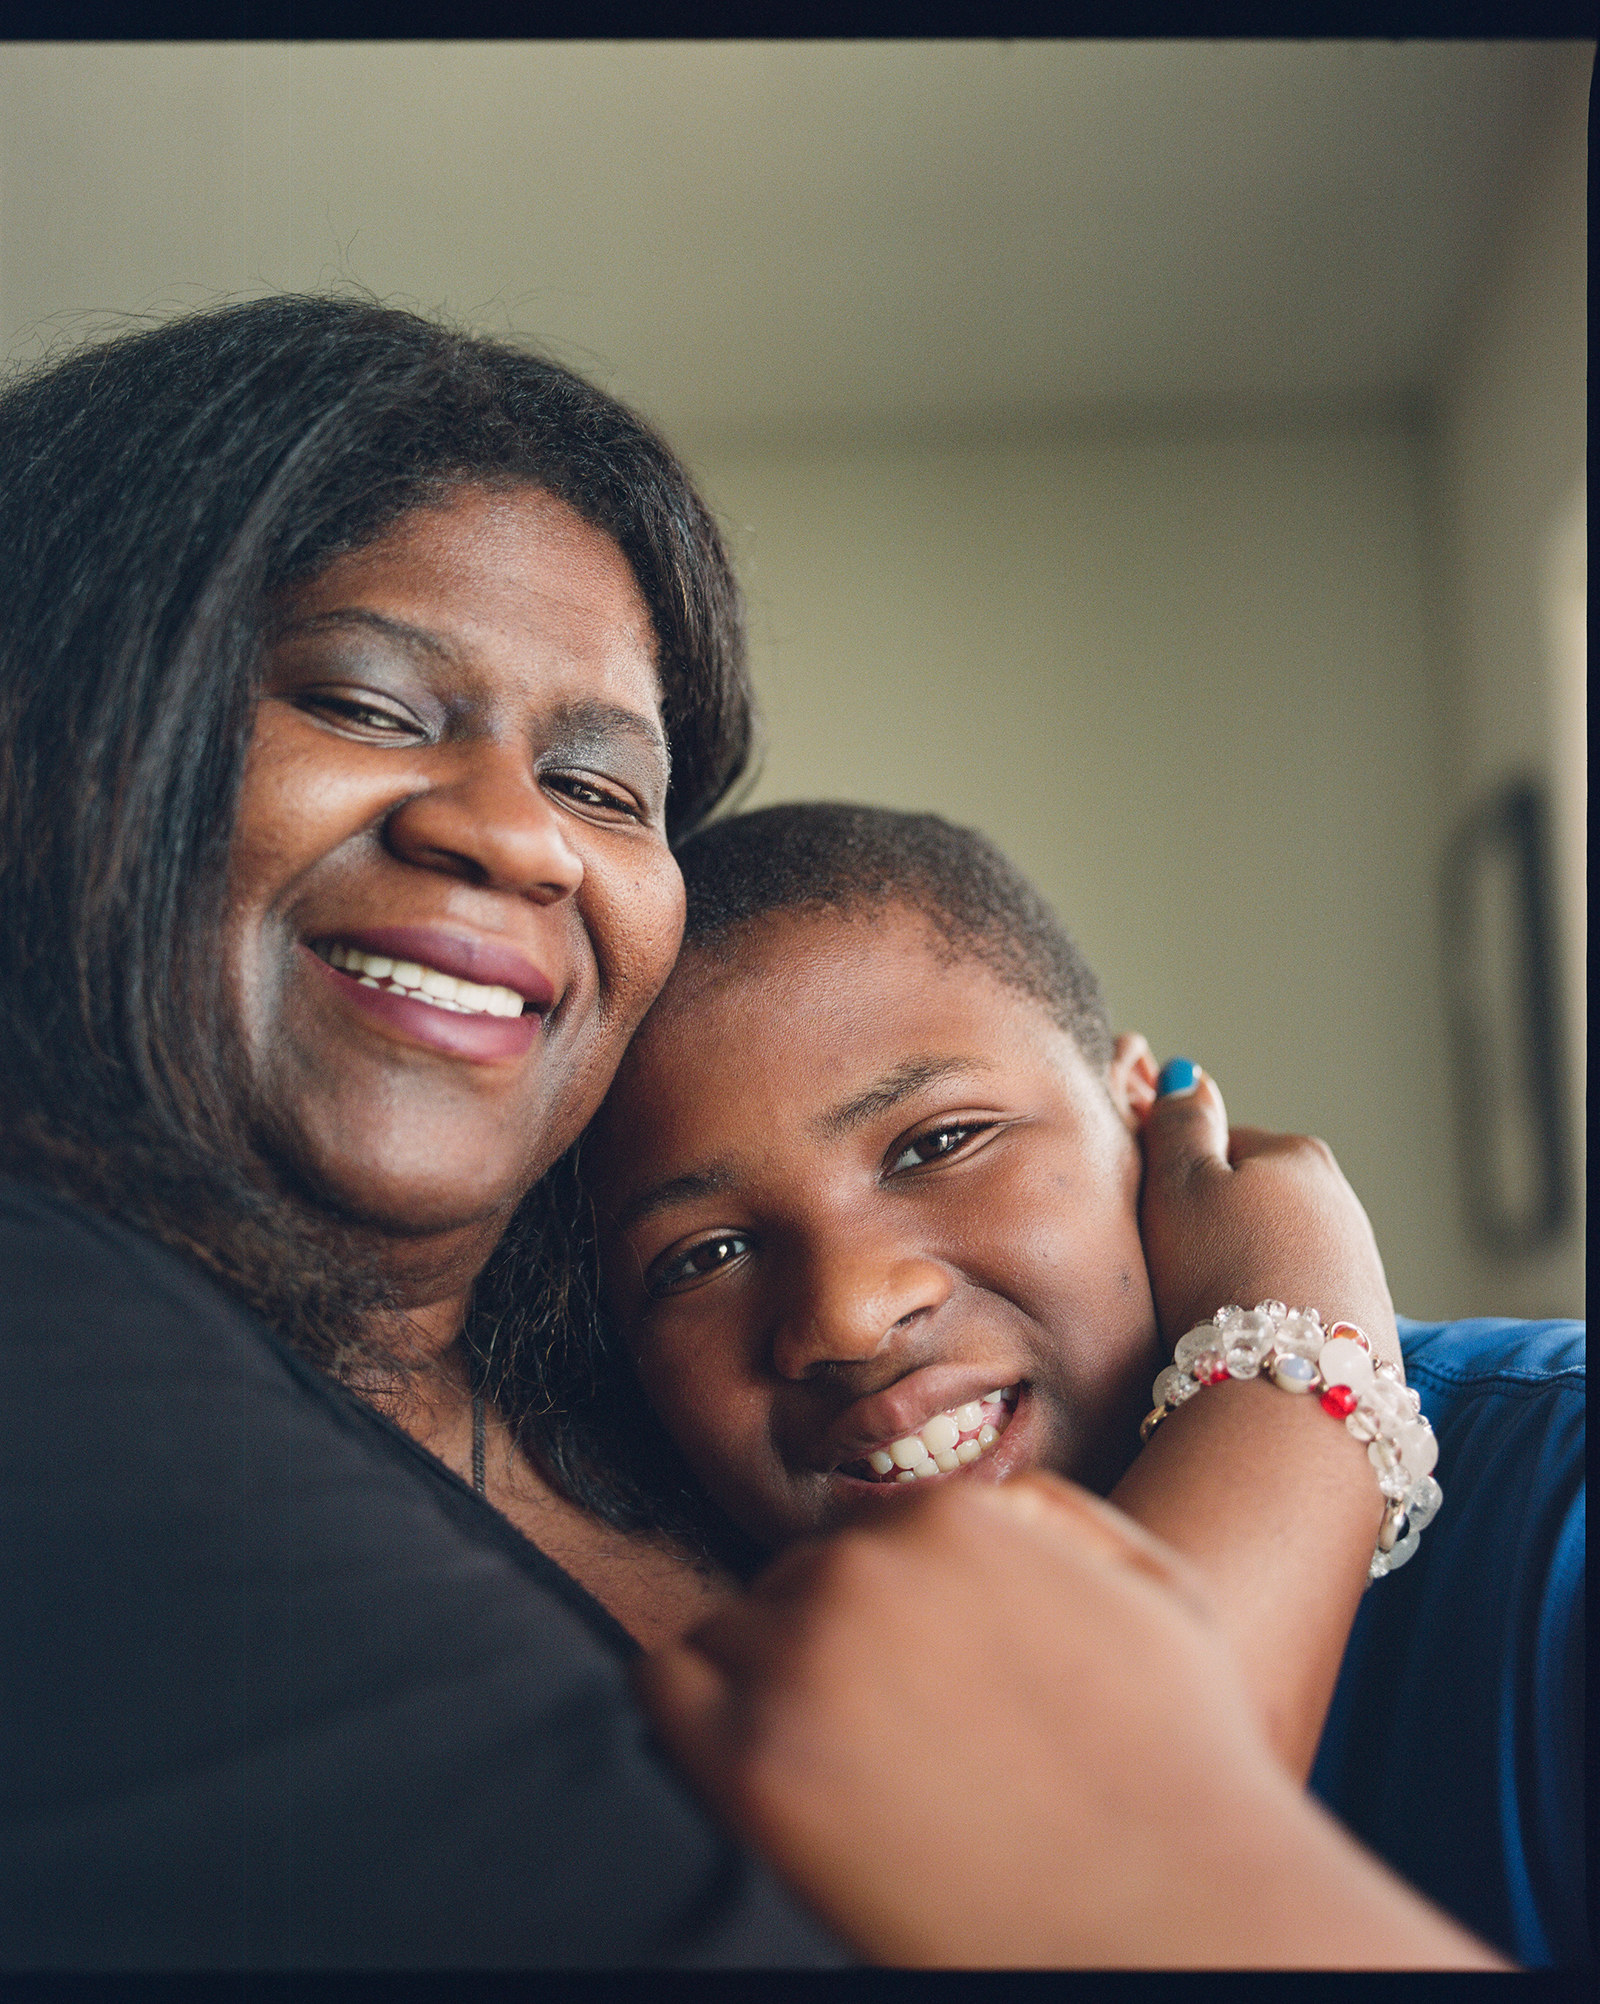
[(417, 638), (592, 723), (580, 724), (889, 1091), (712, 1182)]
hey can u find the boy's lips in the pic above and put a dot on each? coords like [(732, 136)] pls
[(903, 1408)]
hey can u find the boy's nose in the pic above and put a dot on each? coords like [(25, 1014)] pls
[(852, 1308)]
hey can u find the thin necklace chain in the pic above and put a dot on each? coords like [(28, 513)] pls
[(479, 1446)]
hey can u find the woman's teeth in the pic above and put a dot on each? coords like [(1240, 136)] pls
[(948, 1441), (422, 984)]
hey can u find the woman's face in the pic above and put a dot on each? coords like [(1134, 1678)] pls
[(451, 894)]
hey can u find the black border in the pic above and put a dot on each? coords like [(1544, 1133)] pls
[(698, 20)]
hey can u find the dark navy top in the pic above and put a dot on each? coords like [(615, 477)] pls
[(277, 1691), (1454, 1746)]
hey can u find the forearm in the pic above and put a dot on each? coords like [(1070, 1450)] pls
[(1276, 1506)]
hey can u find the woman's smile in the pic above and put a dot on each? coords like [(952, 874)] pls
[(452, 896)]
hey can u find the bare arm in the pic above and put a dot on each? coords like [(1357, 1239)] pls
[(1269, 1498), (1002, 1730)]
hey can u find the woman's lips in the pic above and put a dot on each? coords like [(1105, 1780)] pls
[(483, 1039), (489, 963)]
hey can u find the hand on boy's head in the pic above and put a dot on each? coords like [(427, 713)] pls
[(1240, 1214)]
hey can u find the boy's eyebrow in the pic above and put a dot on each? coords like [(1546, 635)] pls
[(676, 1190), (888, 1092)]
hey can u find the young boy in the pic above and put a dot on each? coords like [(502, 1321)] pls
[(868, 1191)]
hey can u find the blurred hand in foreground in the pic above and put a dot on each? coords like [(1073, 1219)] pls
[(1000, 1729)]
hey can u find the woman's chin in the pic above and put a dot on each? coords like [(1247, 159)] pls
[(419, 1192)]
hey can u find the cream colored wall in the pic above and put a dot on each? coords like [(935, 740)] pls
[(1507, 475), (1183, 677)]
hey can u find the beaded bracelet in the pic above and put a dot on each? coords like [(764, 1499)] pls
[(1293, 1349)]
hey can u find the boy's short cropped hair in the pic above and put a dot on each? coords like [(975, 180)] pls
[(831, 856)]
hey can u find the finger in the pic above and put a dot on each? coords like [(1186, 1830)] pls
[(1247, 1143), (1083, 1522), (689, 1701), (1186, 1128)]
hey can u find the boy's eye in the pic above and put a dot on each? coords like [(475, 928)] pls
[(934, 1144), (681, 1271)]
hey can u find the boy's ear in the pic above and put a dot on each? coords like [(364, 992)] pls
[(1132, 1079)]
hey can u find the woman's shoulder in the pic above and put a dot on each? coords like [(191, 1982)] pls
[(61, 1260)]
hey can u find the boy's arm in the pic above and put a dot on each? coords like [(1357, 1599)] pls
[(1271, 1499)]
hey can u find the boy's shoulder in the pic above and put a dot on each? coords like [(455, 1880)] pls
[(1454, 1745), (1489, 1353)]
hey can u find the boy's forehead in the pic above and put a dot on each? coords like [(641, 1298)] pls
[(815, 968), (799, 1015)]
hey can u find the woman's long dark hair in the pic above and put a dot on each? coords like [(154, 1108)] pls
[(157, 494)]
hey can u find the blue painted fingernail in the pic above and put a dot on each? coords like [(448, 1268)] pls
[(1176, 1075)]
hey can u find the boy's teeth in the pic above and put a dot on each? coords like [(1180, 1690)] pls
[(423, 984), (949, 1440)]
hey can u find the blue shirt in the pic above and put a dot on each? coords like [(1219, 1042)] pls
[(1454, 1745)]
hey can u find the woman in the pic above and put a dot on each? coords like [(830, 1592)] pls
[(325, 631), (355, 678)]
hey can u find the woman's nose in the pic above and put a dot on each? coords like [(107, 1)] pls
[(851, 1306), (488, 821)]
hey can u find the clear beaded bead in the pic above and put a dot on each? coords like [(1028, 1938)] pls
[(1364, 1423), (1388, 1400), (1385, 1458), (1344, 1362), (1196, 1344), (1418, 1447), (1403, 1551), (1273, 1310), (1249, 1346), (1251, 1325), (1387, 1370), (1173, 1387), (1300, 1336), (1225, 1318), (1424, 1504), (1378, 1566)]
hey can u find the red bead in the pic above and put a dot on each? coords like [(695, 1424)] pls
[(1339, 1400), (1352, 1334), (1211, 1373)]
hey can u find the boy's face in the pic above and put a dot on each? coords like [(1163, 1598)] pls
[(847, 1186)]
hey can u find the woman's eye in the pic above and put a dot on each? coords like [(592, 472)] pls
[(361, 716), (700, 1262), (935, 1144), (593, 795)]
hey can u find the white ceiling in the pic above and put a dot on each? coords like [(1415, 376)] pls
[(760, 238)]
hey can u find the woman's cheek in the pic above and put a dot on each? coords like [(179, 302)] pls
[(637, 925)]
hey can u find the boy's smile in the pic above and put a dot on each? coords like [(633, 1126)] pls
[(848, 1183)]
